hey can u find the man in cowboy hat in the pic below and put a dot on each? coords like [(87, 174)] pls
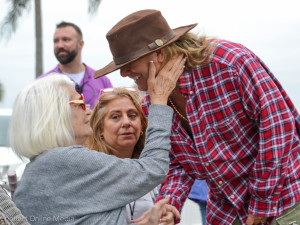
[(234, 125)]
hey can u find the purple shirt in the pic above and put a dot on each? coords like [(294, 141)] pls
[(90, 86), (199, 191)]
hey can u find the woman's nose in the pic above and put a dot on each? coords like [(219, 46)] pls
[(88, 111), (126, 121)]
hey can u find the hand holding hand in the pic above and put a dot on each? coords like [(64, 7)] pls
[(168, 218), (161, 86), (160, 210)]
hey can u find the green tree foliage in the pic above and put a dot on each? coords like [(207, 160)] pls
[(10, 23)]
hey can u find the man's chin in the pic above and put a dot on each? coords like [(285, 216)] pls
[(60, 59), (142, 88), (63, 61)]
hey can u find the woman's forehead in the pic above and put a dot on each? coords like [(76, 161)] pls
[(73, 93), (121, 102)]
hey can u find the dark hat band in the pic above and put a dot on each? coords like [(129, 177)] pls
[(157, 43)]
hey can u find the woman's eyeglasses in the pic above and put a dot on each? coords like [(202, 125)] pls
[(80, 102)]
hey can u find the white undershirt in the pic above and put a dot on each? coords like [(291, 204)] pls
[(141, 205), (76, 77)]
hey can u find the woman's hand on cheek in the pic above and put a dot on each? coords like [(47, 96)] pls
[(161, 86)]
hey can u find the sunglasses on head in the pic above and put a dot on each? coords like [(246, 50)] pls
[(107, 90), (80, 102)]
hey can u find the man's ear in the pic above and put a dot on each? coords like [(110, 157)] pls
[(160, 54), (81, 43)]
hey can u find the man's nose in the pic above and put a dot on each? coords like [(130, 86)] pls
[(59, 44)]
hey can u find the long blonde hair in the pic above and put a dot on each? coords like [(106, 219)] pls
[(197, 49), (95, 142)]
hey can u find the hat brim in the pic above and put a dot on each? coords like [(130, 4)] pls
[(112, 66)]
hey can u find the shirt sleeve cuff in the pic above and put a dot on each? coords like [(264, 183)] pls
[(171, 202), (263, 207)]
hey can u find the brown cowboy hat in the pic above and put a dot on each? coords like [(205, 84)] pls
[(137, 35)]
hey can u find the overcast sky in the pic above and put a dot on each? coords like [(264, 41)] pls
[(270, 28)]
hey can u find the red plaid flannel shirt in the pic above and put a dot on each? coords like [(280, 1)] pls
[(245, 138)]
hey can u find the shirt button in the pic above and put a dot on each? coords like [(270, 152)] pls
[(274, 207), (220, 182), (206, 164), (191, 92), (279, 186), (232, 196)]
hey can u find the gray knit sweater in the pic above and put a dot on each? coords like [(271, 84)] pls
[(9, 213), (74, 185)]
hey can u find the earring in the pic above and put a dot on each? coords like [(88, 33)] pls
[(142, 133), (102, 137)]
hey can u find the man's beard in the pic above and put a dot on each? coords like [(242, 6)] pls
[(66, 58)]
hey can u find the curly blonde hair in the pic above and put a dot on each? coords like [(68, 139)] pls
[(95, 142)]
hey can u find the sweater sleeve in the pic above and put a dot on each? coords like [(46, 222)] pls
[(9, 212), (122, 181), (82, 182)]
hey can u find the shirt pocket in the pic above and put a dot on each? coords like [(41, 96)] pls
[(225, 137), (224, 131)]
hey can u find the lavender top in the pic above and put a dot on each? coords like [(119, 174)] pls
[(90, 86)]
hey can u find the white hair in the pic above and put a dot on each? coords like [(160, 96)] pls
[(41, 117)]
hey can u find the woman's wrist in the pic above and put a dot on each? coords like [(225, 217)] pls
[(159, 100)]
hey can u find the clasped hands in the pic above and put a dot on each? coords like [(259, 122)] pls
[(161, 213)]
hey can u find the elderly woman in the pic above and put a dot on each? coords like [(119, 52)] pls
[(66, 183), (119, 127)]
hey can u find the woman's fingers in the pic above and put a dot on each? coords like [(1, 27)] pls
[(160, 212), (141, 218), (161, 86), (174, 210), (152, 72), (167, 219), (153, 215), (161, 203), (173, 63), (178, 69)]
